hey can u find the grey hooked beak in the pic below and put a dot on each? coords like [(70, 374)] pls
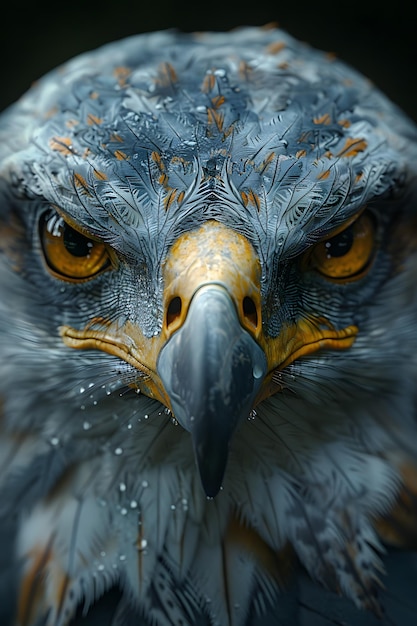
[(212, 370)]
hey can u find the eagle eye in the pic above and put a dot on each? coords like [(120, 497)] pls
[(69, 254), (347, 254)]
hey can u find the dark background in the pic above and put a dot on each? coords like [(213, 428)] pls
[(378, 38)]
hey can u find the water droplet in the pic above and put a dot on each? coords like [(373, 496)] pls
[(86, 425), (123, 511), (257, 371), (102, 553), (122, 487), (146, 416), (145, 484), (82, 389), (122, 557), (118, 451), (100, 567), (143, 544), (90, 385), (167, 411), (54, 441), (138, 391), (173, 507), (133, 504)]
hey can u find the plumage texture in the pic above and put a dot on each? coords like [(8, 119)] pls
[(137, 144)]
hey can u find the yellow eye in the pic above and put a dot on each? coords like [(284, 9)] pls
[(68, 253), (347, 254)]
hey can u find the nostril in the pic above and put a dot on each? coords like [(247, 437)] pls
[(174, 310), (249, 310)]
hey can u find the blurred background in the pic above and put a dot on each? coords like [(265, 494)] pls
[(379, 39)]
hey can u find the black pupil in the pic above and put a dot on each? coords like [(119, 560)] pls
[(340, 244), (75, 243)]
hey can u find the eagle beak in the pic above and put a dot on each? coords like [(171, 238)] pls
[(212, 370), (211, 366)]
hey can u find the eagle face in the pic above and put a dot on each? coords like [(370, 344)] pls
[(207, 327)]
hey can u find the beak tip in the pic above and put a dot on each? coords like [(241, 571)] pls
[(211, 492), (211, 468), (211, 489)]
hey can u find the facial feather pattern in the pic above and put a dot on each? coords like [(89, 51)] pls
[(207, 331)]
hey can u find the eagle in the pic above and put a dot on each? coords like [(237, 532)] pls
[(208, 335)]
